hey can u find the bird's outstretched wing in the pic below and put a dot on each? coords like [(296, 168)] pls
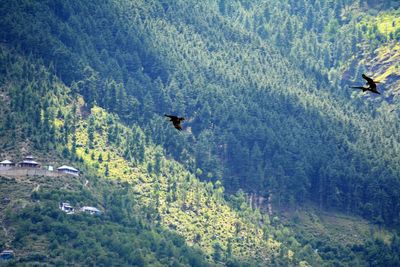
[(366, 89), (172, 117), (368, 79), (176, 121)]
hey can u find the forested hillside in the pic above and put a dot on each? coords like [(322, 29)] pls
[(268, 109), (151, 204), (39, 233), (264, 86)]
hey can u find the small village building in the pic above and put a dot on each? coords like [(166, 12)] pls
[(7, 255), (6, 164), (28, 162), (5, 200), (68, 170), (67, 208), (91, 210)]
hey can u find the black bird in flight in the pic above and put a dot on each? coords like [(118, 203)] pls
[(176, 121), (371, 85)]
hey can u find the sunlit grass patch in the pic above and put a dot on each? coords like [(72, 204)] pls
[(388, 23), (384, 25)]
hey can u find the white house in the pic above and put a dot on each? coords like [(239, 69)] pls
[(7, 254), (6, 164), (67, 208), (68, 170), (91, 210)]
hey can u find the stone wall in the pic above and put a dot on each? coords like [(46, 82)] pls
[(15, 171)]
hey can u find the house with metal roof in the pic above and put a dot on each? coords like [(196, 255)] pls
[(6, 255), (91, 210), (5, 200), (6, 164), (67, 208), (28, 162), (68, 170)]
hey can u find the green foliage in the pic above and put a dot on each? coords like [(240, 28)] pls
[(167, 195), (255, 80), (120, 237), (256, 84)]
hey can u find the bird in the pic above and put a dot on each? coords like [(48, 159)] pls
[(176, 121), (371, 83)]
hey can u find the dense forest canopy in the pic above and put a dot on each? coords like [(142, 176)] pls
[(263, 85)]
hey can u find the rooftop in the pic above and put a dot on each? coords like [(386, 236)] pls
[(27, 161), (8, 251), (86, 208), (65, 167), (65, 204)]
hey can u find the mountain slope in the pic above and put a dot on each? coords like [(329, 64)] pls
[(39, 233), (260, 85), (154, 188), (251, 98)]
